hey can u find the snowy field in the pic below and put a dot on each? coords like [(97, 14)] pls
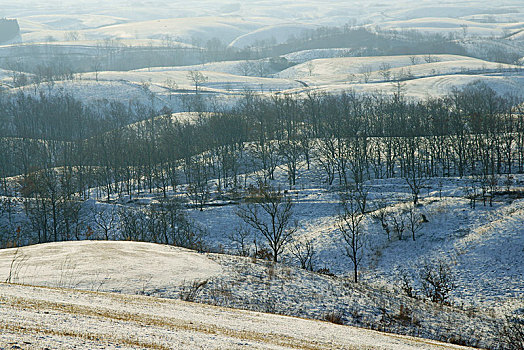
[(479, 27), (66, 319), (233, 21), (226, 82), (58, 314), (110, 266), (484, 245), (100, 294)]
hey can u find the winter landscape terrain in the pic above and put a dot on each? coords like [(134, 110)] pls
[(261, 174)]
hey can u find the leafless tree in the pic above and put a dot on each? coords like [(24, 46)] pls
[(381, 214), (385, 71), (240, 238), (105, 218), (415, 183), (512, 332), (437, 281), (414, 220), (246, 68), (366, 72), (171, 86), (304, 252), (310, 67), (399, 224), (197, 78), (349, 224), (270, 214), (199, 189)]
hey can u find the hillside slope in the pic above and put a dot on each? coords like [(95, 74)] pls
[(100, 265), (134, 268), (47, 317)]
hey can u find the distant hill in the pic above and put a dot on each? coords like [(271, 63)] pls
[(9, 30)]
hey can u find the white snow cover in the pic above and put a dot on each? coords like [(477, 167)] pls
[(66, 319), (113, 266), (328, 69), (277, 34), (238, 22)]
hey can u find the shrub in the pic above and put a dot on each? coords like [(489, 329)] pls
[(512, 333), (437, 281), (334, 317), (190, 292)]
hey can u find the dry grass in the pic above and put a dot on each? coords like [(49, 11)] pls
[(144, 320)]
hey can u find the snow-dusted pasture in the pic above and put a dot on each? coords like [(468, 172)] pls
[(102, 294), (216, 81), (436, 86), (111, 266), (415, 65), (226, 82), (484, 246), (243, 23), (446, 25), (49, 317)]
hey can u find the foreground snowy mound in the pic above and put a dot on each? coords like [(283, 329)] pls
[(45, 317), (126, 267)]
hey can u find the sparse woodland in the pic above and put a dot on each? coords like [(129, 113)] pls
[(78, 170), (57, 152)]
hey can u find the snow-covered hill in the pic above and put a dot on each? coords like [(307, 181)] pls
[(68, 315), (410, 66), (112, 266), (276, 34), (421, 76), (66, 319)]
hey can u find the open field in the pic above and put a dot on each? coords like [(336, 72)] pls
[(261, 174), (49, 317)]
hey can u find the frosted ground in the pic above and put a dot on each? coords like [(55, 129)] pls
[(479, 25), (233, 20), (226, 83), (485, 246), (67, 319)]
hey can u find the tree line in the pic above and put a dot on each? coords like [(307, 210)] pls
[(57, 151)]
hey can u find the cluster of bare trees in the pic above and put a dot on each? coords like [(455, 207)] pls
[(111, 149)]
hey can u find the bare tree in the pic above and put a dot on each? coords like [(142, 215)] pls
[(512, 332), (310, 67), (304, 252), (415, 183), (366, 72), (414, 220), (464, 30), (72, 36), (105, 218), (385, 71), (437, 281), (406, 283), (350, 226), (270, 215), (381, 213), (197, 78), (246, 68), (399, 225), (199, 189), (171, 86), (240, 238)]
